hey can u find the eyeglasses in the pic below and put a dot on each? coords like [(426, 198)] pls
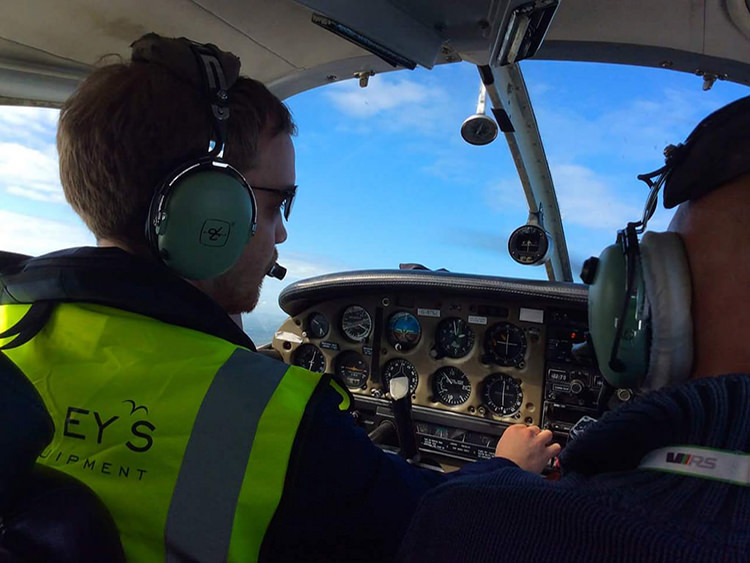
[(287, 201)]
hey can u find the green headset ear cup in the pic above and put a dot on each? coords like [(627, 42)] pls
[(208, 218), (606, 294)]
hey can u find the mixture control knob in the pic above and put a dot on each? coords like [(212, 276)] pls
[(576, 387)]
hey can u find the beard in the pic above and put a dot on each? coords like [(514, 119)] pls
[(238, 290), (238, 296)]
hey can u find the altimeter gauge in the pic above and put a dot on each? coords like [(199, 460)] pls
[(450, 386), (454, 338)]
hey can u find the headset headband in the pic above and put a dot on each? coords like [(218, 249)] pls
[(206, 67)]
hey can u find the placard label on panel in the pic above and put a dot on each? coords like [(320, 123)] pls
[(477, 320), (329, 345), (428, 312), (531, 315)]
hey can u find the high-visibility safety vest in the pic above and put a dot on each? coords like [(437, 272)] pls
[(184, 436)]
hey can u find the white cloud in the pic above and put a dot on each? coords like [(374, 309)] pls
[(31, 235), (30, 172), (28, 125), (380, 95), (588, 200), (398, 103)]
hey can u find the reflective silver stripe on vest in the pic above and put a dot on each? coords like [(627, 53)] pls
[(201, 513)]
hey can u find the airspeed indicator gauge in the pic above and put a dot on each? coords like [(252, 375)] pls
[(310, 357), (530, 245), (356, 323)]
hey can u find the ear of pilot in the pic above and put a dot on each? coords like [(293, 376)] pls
[(155, 431)]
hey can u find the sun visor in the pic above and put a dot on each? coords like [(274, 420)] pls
[(717, 151)]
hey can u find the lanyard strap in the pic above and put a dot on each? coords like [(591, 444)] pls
[(707, 463)]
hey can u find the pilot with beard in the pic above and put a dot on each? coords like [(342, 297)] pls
[(201, 448)]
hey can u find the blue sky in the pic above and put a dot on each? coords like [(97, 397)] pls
[(386, 178)]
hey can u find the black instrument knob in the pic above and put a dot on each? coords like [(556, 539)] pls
[(576, 387), (588, 271)]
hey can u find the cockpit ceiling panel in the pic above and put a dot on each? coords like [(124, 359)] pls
[(46, 46)]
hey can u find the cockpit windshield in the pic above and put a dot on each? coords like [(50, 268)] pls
[(385, 177)]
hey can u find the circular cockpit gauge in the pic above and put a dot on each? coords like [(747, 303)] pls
[(502, 394), (397, 368), (529, 245), (505, 345), (479, 129), (454, 338), (450, 386), (352, 368), (310, 357), (403, 331), (317, 325), (356, 323)]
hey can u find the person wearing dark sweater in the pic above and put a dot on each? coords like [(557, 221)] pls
[(665, 477)]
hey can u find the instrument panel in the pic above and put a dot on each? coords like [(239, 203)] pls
[(480, 353), (460, 355)]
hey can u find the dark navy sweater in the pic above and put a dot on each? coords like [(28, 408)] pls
[(604, 508)]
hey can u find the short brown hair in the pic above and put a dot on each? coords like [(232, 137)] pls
[(130, 124)]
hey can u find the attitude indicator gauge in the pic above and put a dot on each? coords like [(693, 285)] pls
[(352, 369), (450, 386), (404, 331), (502, 394), (397, 368), (454, 338), (356, 323), (505, 345), (317, 325), (530, 245), (310, 357)]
